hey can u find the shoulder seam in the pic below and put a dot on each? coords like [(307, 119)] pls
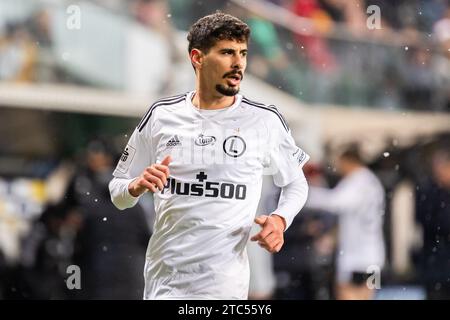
[(158, 103), (271, 108)]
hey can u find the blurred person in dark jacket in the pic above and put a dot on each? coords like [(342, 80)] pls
[(433, 213), (110, 245), (47, 251)]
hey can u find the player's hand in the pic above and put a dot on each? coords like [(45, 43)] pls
[(271, 236), (153, 178)]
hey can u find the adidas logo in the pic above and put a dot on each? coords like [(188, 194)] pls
[(173, 142)]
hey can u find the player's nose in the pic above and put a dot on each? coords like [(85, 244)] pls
[(238, 63)]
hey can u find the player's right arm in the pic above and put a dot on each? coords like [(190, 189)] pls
[(153, 178), (137, 171)]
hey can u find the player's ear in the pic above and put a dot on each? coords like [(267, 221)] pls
[(196, 58)]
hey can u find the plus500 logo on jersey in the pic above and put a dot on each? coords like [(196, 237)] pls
[(206, 189)]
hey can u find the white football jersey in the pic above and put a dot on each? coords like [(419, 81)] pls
[(358, 199), (206, 210)]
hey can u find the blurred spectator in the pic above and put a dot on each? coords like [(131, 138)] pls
[(316, 48), (352, 13), (159, 42), (153, 13), (441, 31), (269, 61), (441, 28), (418, 79), (185, 12), (39, 26), (433, 213), (47, 251), (322, 71), (358, 200), (85, 229), (111, 244), (17, 54)]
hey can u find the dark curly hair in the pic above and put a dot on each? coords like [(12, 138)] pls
[(208, 30)]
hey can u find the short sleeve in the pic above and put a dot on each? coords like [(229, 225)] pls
[(286, 158)]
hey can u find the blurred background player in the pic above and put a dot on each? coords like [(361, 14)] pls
[(359, 200)]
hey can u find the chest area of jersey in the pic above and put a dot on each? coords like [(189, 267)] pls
[(229, 150)]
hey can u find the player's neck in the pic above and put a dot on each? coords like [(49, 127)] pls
[(203, 100)]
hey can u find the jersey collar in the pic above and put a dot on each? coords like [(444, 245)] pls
[(194, 110)]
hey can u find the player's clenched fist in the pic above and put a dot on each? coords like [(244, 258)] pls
[(153, 178), (271, 236)]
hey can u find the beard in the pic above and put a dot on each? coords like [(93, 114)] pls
[(226, 90)]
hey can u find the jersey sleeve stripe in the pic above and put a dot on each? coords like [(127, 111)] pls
[(268, 108), (157, 101), (147, 116), (279, 114)]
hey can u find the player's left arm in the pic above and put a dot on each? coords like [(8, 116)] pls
[(292, 199), (286, 160)]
